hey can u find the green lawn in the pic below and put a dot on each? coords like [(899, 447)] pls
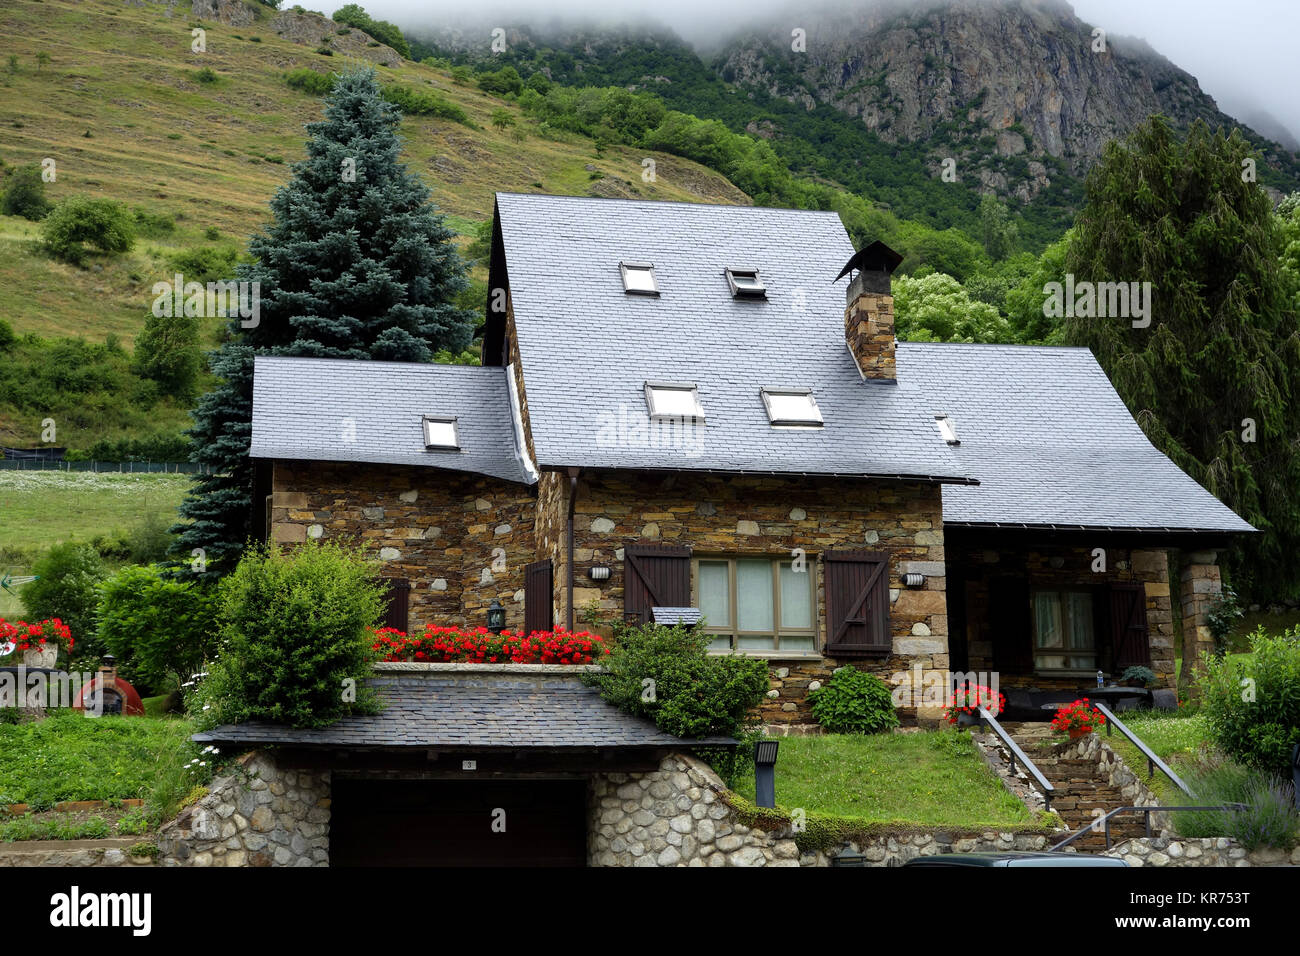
[(927, 778), (41, 509), (1175, 739), (69, 756)]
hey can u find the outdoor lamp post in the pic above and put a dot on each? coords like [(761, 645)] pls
[(496, 617), (765, 772)]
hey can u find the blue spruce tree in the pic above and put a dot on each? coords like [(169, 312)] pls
[(356, 264)]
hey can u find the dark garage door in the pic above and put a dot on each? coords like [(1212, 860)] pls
[(449, 823)]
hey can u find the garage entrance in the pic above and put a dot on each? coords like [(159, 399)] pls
[(450, 822)]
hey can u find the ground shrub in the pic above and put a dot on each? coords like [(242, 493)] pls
[(309, 81), (1269, 819), (854, 702), (665, 673), (160, 629), (294, 648), (422, 103), (1252, 704)]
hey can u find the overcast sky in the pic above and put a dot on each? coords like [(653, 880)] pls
[(1243, 52)]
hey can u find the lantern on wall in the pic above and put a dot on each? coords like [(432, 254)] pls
[(496, 617)]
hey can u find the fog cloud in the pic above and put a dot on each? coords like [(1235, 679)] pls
[(1243, 53)]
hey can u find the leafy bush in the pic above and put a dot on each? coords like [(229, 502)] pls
[(80, 220), (152, 225), (67, 587), (160, 629), (206, 75), (293, 637), (503, 81), (355, 16), (309, 81), (854, 702), (1252, 704), (25, 195), (1269, 818), (210, 264), (1222, 617), (422, 103), (665, 673), (168, 352), (7, 336)]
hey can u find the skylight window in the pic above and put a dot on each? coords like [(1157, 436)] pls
[(440, 432), (792, 406), (673, 400), (639, 278), (947, 428), (745, 284)]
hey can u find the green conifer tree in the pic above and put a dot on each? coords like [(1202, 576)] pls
[(1214, 379), (356, 264)]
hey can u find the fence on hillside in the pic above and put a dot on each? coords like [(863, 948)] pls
[(107, 467)]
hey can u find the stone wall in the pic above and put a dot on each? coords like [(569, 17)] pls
[(113, 851), (261, 814), (679, 816), (980, 566), (736, 516), (461, 540), (1116, 773), (1205, 851), (1200, 587)]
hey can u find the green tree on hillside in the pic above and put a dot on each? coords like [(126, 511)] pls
[(356, 264), (1214, 380), (81, 221), (387, 33), (997, 232), (25, 194), (168, 352)]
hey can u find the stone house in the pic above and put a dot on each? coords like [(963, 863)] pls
[(680, 406)]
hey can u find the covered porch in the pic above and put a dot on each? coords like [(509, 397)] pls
[(1042, 610)]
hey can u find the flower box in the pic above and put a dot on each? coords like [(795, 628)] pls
[(441, 645)]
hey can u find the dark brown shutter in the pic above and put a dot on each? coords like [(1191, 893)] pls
[(1011, 625), (1129, 639), (539, 609), (857, 604), (399, 604), (655, 575)]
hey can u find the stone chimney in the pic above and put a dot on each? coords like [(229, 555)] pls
[(869, 311)]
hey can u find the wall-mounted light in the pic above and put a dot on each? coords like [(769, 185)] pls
[(496, 617), (598, 573), (914, 580)]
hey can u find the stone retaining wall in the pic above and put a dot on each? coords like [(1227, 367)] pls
[(113, 851), (679, 816), (259, 815), (1205, 851), (1112, 768)]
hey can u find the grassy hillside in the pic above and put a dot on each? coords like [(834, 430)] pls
[(123, 109), (211, 154)]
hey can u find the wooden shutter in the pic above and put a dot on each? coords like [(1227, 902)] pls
[(655, 575), (857, 604), (399, 604), (1129, 640), (1011, 625), (539, 607)]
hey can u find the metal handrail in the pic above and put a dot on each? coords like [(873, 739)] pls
[(1014, 748), (1153, 762), (1104, 822)]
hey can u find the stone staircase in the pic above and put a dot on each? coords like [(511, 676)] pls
[(1080, 786)]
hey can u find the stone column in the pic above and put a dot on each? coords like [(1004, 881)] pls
[(1201, 587)]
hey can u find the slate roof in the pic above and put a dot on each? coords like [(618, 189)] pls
[(300, 406), (1051, 442), (588, 347), (467, 711)]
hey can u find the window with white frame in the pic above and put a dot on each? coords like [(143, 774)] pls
[(440, 432), (745, 284), (1064, 638), (791, 406), (673, 400), (758, 605), (639, 278)]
